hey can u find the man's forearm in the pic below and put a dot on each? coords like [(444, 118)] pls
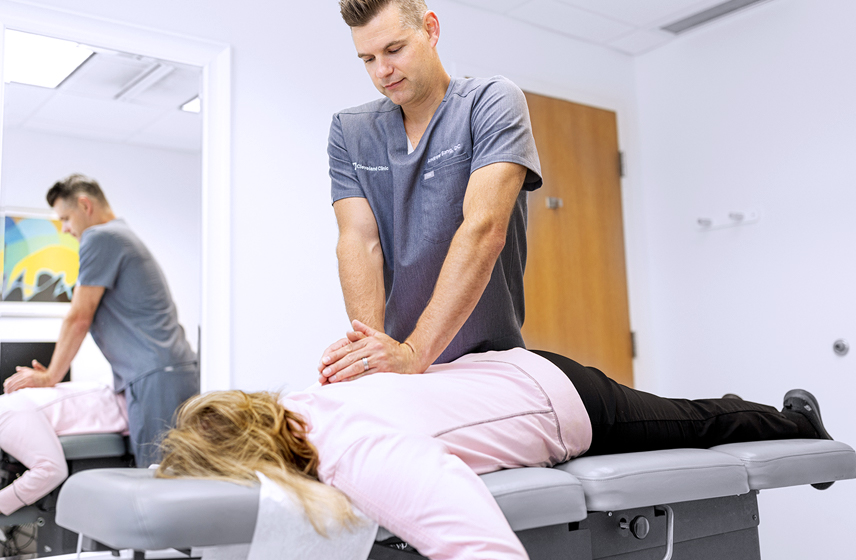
[(462, 281), (71, 335), (361, 276)]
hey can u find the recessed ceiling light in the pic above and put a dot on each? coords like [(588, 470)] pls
[(192, 106), (41, 61)]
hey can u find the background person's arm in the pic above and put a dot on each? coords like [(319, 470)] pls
[(84, 303), (491, 194)]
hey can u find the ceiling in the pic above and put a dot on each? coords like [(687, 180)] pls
[(131, 99), (629, 26), (114, 97)]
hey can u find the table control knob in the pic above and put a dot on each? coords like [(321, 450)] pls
[(640, 527)]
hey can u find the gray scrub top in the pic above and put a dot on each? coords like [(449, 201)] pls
[(417, 200), (136, 324)]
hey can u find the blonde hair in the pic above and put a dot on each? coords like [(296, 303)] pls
[(229, 435)]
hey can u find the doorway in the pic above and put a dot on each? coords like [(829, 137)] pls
[(576, 280)]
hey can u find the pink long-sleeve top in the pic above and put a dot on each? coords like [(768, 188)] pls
[(31, 421), (407, 449)]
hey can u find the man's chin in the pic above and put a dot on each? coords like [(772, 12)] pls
[(396, 97)]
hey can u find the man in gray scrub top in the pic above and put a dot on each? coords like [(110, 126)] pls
[(429, 188), (121, 298)]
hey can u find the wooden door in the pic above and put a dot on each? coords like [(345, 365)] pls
[(575, 282)]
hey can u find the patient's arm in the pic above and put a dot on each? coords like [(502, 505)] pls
[(426, 496), (84, 303), (26, 434)]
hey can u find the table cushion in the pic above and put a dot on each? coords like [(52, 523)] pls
[(537, 497), (628, 480), (92, 446), (129, 508), (792, 462)]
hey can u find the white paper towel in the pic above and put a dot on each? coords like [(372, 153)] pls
[(283, 531)]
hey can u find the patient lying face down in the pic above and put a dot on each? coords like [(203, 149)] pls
[(406, 449), (231, 435)]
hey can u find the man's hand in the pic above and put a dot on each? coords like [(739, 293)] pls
[(35, 376), (346, 359), (339, 344)]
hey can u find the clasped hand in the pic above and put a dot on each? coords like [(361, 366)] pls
[(346, 359), (35, 376)]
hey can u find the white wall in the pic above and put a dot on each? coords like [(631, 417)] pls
[(158, 192), (756, 112)]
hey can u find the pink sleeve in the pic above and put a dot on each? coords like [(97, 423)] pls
[(426, 496), (28, 436)]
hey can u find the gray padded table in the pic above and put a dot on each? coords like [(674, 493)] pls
[(702, 502), (129, 508)]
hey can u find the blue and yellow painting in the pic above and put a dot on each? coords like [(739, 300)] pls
[(40, 263)]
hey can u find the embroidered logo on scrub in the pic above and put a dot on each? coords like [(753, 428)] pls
[(444, 153), (361, 167)]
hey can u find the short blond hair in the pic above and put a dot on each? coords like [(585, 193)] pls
[(358, 13)]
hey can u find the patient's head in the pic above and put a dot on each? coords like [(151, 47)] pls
[(229, 435)]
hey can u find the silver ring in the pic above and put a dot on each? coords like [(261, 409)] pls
[(365, 364)]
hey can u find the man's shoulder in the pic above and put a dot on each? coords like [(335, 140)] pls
[(470, 87), (382, 105), (109, 233)]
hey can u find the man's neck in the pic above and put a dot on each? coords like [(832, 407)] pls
[(418, 114), (102, 217)]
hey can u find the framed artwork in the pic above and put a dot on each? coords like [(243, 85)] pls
[(40, 263)]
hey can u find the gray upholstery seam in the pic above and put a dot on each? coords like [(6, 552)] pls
[(140, 517), (533, 488), (789, 457), (651, 471)]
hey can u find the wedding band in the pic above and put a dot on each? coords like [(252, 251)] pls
[(365, 364)]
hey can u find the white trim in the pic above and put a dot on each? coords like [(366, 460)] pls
[(21, 212), (39, 309), (216, 312), (215, 60)]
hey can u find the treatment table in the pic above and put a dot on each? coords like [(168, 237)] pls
[(687, 503), (82, 452)]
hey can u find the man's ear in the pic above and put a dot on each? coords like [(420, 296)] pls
[(85, 203), (431, 26)]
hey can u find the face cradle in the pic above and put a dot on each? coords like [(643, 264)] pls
[(397, 57)]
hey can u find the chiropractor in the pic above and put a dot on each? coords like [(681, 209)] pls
[(429, 188), (122, 298)]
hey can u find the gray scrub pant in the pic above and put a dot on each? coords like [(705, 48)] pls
[(152, 402)]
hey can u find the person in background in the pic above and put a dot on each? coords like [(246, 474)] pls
[(123, 300)]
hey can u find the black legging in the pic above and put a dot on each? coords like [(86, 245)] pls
[(625, 420)]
